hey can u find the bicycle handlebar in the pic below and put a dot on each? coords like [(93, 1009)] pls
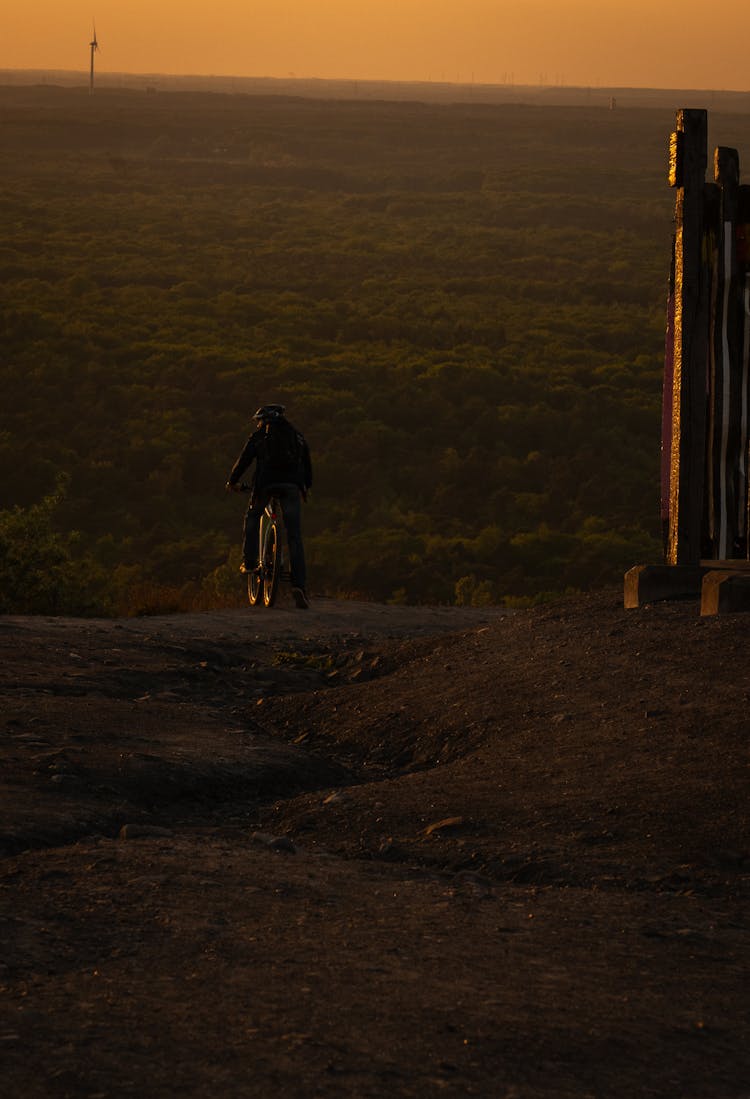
[(242, 486)]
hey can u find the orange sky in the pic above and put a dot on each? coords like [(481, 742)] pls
[(646, 43)]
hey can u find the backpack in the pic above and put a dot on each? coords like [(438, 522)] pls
[(283, 451)]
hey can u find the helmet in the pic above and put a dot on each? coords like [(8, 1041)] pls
[(268, 412)]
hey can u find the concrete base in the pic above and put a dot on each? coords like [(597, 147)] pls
[(649, 583), (725, 591)]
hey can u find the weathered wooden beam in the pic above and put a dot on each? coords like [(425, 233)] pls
[(684, 450), (667, 400), (725, 592), (725, 509), (742, 237), (651, 583)]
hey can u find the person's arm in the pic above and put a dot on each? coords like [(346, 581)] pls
[(306, 464), (249, 453)]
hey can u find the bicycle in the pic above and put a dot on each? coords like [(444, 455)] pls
[(272, 566)]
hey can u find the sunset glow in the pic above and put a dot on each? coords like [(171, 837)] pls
[(633, 43)]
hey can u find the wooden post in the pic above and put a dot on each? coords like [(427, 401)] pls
[(743, 282), (666, 409), (725, 519), (706, 393), (685, 449)]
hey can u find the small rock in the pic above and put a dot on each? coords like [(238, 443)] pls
[(274, 843), (388, 848), (443, 825), (262, 837), (283, 843)]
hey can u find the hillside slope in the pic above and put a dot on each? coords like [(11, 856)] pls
[(371, 851)]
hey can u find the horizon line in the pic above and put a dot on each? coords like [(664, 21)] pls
[(411, 81)]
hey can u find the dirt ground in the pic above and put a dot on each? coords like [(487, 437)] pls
[(376, 851)]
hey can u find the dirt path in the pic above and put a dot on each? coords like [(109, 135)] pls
[(326, 618), (355, 852)]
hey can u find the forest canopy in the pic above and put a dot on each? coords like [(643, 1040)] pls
[(461, 306)]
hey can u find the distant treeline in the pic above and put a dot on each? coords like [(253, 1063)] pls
[(430, 91), (461, 306)]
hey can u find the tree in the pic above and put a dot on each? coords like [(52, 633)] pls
[(39, 571)]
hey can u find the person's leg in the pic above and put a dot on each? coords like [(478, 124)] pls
[(289, 497)]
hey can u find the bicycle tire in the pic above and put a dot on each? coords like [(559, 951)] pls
[(254, 586), (271, 562)]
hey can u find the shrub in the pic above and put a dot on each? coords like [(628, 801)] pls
[(39, 570)]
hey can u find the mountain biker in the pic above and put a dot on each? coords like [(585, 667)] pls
[(282, 469)]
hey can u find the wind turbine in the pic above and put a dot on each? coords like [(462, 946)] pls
[(94, 47)]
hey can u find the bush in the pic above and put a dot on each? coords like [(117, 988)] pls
[(39, 570)]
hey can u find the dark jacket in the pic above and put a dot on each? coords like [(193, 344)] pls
[(265, 473)]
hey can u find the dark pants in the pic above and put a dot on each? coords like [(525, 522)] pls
[(289, 498)]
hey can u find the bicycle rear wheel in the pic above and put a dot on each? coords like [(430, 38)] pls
[(255, 586), (271, 565)]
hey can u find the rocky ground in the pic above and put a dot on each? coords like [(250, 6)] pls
[(370, 851)]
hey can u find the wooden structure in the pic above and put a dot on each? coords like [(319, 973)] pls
[(706, 401)]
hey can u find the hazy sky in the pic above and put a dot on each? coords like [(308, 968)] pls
[(648, 43)]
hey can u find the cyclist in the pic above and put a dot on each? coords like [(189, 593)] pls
[(282, 469)]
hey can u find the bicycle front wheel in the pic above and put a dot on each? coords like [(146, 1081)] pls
[(271, 563)]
